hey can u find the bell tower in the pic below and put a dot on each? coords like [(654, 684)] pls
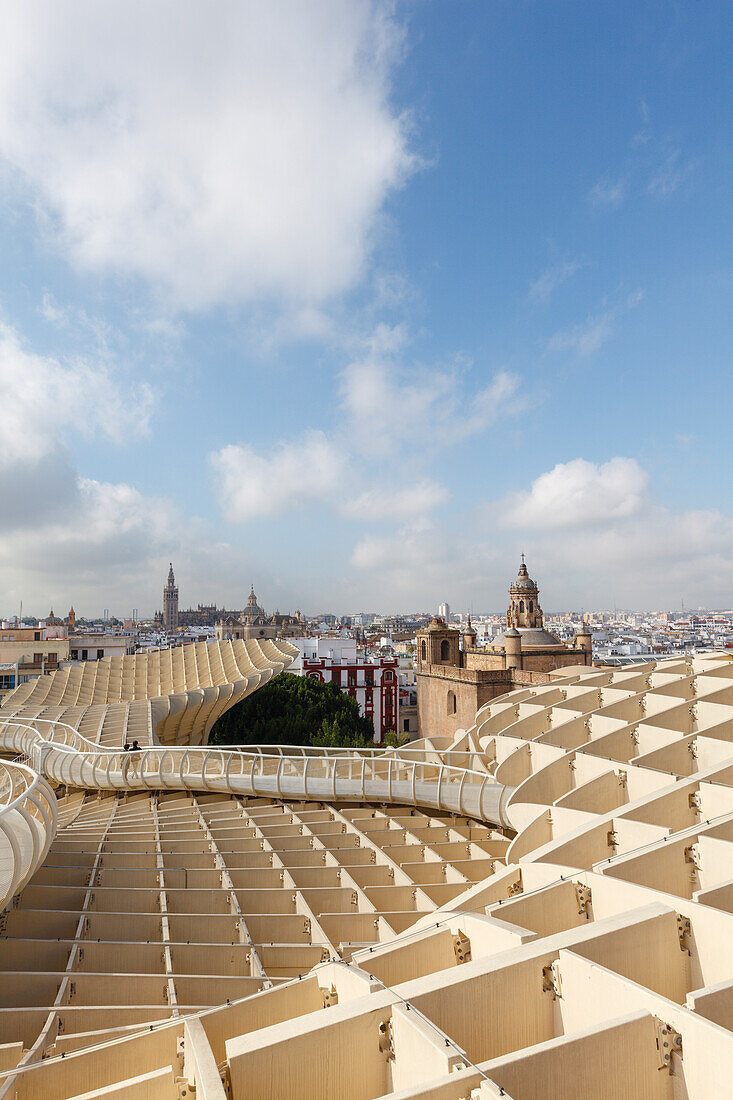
[(524, 607), (170, 602)]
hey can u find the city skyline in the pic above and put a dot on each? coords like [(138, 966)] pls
[(364, 301)]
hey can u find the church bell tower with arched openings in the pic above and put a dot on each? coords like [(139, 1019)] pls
[(170, 602), (524, 607)]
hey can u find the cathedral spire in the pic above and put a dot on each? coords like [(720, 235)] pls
[(170, 601)]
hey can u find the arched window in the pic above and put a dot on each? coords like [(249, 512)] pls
[(530, 605), (445, 650), (451, 702), (521, 605), (423, 651)]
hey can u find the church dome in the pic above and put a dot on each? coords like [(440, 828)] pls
[(532, 638), (523, 582)]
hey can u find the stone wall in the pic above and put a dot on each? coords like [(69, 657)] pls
[(471, 688), (443, 688)]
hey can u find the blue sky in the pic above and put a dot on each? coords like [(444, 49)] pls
[(359, 301)]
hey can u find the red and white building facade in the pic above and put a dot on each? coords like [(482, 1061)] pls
[(372, 681)]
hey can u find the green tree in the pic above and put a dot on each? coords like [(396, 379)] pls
[(396, 740), (295, 710)]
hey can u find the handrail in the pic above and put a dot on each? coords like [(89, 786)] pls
[(66, 757), (27, 823)]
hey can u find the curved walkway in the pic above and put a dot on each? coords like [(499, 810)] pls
[(28, 817)]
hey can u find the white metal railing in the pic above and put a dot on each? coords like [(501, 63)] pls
[(408, 777), (28, 816)]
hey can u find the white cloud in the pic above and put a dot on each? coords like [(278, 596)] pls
[(544, 287), (42, 398), (382, 503), (415, 547), (219, 151), (583, 339), (609, 192), (103, 540), (293, 475), (670, 174), (313, 470), (578, 494), (589, 336), (390, 407)]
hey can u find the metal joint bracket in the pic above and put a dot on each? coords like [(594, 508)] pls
[(551, 982), (462, 948), (330, 997), (226, 1080), (669, 1042), (683, 931), (386, 1040), (695, 802), (584, 897), (612, 839), (692, 854)]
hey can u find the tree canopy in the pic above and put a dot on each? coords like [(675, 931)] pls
[(295, 710)]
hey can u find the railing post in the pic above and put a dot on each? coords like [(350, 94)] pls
[(279, 773), (305, 777), (460, 793), (440, 783), (414, 782), (482, 816), (389, 780)]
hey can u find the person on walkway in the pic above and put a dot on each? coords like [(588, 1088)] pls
[(126, 761)]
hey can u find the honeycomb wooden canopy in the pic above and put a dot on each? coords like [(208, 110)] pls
[(541, 906)]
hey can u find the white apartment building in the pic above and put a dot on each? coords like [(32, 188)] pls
[(372, 681), (95, 646)]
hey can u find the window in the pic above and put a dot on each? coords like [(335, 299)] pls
[(37, 636), (445, 650), (74, 654), (521, 605), (84, 654), (529, 605), (37, 658), (423, 651), (7, 681), (100, 654), (351, 678), (369, 677), (405, 725), (452, 706), (388, 675)]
